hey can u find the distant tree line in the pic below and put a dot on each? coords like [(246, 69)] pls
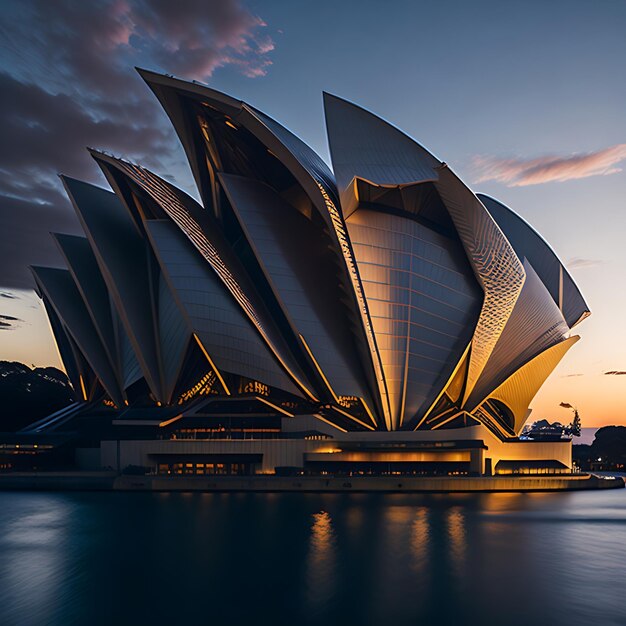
[(607, 452), (543, 429)]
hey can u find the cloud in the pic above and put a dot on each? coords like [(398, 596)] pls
[(8, 295), (43, 134), (517, 172), (577, 263), (7, 322), (615, 373), (67, 82), (571, 375), (195, 37), (97, 42)]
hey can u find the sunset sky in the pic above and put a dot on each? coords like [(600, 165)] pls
[(526, 101)]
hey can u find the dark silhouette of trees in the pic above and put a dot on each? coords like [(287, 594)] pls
[(608, 450), (543, 429), (575, 426), (27, 395)]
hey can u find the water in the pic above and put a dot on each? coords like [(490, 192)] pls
[(140, 558)]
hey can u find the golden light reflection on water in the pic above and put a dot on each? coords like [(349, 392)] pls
[(354, 519), (321, 562), (395, 531), (397, 515), (455, 522), (502, 502), (419, 542)]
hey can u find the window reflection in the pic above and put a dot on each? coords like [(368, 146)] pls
[(455, 522), (420, 538)]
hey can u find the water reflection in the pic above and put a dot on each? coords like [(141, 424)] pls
[(307, 559), (390, 549), (455, 521), (354, 519), (32, 564), (321, 562), (420, 538)]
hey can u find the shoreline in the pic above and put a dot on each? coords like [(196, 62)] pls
[(109, 481)]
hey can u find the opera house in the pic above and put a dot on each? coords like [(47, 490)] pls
[(376, 318)]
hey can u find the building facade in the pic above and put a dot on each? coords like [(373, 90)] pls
[(380, 299)]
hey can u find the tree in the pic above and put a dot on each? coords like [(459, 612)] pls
[(543, 429), (574, 427), (27, 395)]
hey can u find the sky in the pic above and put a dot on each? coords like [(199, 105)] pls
[(526, 101)]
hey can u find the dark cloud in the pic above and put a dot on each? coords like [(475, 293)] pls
[(25, 238), (8, 295), (8, 322), (615, 373), (68, 82), (44, 134), (42, 129)]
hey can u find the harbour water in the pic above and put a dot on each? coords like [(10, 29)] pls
[(150, 558)]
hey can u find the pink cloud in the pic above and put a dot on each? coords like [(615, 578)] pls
[(577, 263), (192, 38), (515, 172)]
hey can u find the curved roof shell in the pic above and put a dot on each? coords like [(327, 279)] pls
[(385, 295)]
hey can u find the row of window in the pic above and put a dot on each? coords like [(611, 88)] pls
[(203, 469), (531, 471)]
